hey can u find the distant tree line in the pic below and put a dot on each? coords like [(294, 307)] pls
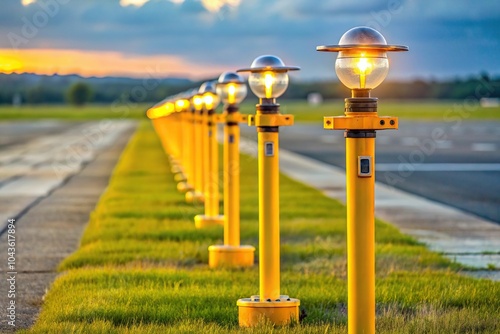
[(477, 87), (35, 89)]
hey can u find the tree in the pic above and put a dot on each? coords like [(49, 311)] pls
[(79, 93)]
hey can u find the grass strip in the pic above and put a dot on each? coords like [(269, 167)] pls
[(142, 265), (431, 110)]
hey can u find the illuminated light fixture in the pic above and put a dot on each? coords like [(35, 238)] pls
[(268, 78), (231, 88), (161, 110), (209, 95), (181, 104), (361, 65), (362, 62)]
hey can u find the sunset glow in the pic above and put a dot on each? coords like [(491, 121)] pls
[(100, 64)]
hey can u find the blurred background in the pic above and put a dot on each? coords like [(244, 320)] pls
[(106, 48)]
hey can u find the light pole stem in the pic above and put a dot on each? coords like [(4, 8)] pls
[(360, 237), (231, 185), (269, 238)]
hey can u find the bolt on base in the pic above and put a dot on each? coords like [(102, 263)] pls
[(282, 311), (230, 256)]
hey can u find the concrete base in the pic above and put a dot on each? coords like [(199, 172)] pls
[(184, 187), (230, 256), (202, 221), (282, 311), (180, 177), (194, 197)]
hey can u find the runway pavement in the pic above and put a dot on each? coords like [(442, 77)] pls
[(38, 157), (52, 175), (457, 164)]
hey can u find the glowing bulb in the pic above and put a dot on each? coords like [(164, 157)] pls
[(364, 67), (269, 82), (269, 85), (198, 102), (179, 105), (231, 88), (361, 70), (231, 92), (209, 101)]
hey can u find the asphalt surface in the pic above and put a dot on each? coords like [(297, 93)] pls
[(457, 164), (51, 177)]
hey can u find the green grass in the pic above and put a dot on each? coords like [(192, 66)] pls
[(422, 110), (142, 265), (434, 110), (68, 112)]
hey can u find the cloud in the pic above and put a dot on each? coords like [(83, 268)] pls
[(98, 63), (137, 3), (443, 37)]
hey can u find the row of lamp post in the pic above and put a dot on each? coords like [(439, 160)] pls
[(187, 127)]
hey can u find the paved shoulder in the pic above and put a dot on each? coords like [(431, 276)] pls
[(460, 236), (53, 206)]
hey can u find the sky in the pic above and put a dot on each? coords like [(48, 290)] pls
[(202, 38)]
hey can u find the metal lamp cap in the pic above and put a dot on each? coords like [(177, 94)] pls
[(207, 87), (362, 38), (268, 63), (230, 77)]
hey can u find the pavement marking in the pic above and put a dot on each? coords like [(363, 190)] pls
[(329, 139), (444, 229), (410, 141), (438, 167), (444, 144), (484, 147)]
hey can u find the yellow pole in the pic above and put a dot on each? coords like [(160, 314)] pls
[(231, 254), (360, 235), (195, 164), (211, 215), (232, 183), (269, 238), (269, 304), (199, 147), (189, 140), (360, 123), (212, 167)]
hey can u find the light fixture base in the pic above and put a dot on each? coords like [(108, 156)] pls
[(194, 197), (361, 104), (180, 177), (203, 221), (184, 187), (176, 169), (224, 256), (282, 311)]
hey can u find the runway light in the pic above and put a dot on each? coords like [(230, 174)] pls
[(361, 65), (209, 95), (268, 78), (362, 62), (231, 88), (181, 104), (197, 101)]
